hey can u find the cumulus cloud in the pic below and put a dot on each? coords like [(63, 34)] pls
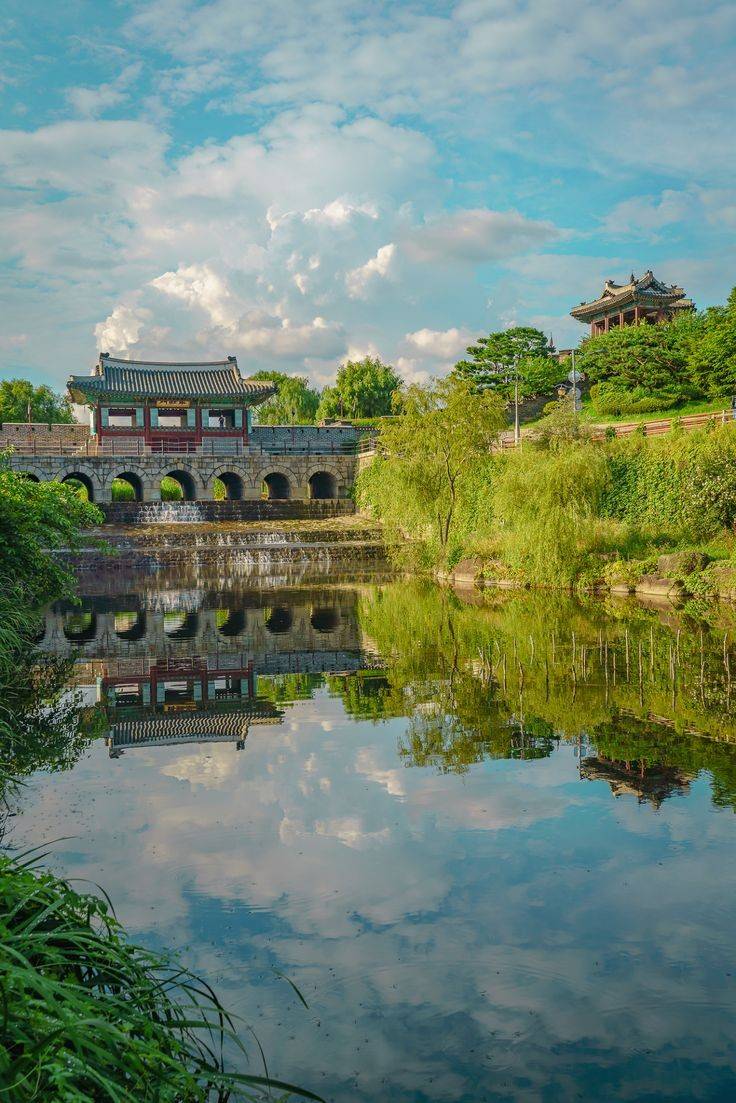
[(121, 329), (197, 285), (445, 344), (647, 214), (359, 280)]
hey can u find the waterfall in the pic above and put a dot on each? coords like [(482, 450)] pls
[(171, 513)]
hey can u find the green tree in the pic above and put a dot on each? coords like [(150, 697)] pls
[(654, 359), (713, 357), (427, 455), (496, 359), (363, 388), (34, 519), (295, 402), (18, 396)]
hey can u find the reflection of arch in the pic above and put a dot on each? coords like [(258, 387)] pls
[(83, 480), (325, 619), (230, 622), (125, 480), (277, 485), (80, 627), (322, 484), (181, 626), (186, 482), (130, 626), (233, 485), (278, 619)]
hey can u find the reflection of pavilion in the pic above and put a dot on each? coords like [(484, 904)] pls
[(647, 783), (183, 701)]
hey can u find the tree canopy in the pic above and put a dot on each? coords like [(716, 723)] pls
[(363, 388), (17, 395), (295, 402), (496, 360), (426, 455)]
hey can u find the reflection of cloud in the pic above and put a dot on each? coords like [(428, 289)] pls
[(515, 911)]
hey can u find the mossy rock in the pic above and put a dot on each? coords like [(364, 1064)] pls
[(722, 580), (680, 564)]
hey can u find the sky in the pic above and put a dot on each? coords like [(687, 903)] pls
[(302, 181)]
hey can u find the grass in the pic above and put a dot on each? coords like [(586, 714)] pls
[(702, 406), (89, 1016)]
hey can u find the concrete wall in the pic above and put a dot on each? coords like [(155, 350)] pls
[(250, 471)]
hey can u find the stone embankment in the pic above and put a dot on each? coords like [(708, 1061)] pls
[(674, 577)]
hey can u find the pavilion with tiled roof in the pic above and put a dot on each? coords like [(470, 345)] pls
[(168, 404), (642, 299)]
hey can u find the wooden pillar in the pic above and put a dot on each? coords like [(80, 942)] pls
[(621, 319), (607, 324)]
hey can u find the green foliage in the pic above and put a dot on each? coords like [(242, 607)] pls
[(17, 396), (654, 360), (363, 388), (171, 491), (496, 360), (426, 456), (713, 357), (612, 399), (295, 402), (546, 504), (90, 1016), (36, 518)]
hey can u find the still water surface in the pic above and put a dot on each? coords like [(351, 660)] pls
[(492, 841)]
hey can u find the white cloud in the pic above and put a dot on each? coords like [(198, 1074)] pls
[(445, 344), (476, 236), (121, 329), (199, 286), (645, 215), (359, 280)]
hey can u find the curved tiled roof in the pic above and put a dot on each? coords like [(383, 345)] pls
[(141, 379), (646, 290)]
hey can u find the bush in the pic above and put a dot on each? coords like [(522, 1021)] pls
[(614, 400)]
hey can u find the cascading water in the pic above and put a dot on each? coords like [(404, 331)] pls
[(171, 513)]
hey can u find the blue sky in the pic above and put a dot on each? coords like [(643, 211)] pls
[(306, 180)]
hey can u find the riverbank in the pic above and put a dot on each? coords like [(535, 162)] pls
[(653, 516)]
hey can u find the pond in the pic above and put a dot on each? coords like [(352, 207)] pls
[(490, 839)]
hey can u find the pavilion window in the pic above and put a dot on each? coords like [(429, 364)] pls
[(191, 417), (104, 417), (139, 417), (205, 414), (154, 417), (238, 419), (121, 417)]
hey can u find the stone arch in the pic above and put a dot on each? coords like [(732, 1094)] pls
[(278, 620), (325, 618), (181, 625), (80, 477), (323, 484), (186, 480), (232, 481), (230, 622), (29, 475), (278, 485), (130, 625), (80, 627), (135, 481)]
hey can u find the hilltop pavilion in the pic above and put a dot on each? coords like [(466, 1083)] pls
[(169, 407), (643, 299)]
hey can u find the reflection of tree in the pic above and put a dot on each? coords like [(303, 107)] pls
[(42, 727), (508, 675), (283, 688)]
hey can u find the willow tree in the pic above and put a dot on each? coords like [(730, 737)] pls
[(425, 457)]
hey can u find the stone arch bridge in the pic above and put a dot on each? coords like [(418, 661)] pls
[(246, 477)]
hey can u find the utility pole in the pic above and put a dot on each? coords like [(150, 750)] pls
[(573, 377), (517, 435)]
